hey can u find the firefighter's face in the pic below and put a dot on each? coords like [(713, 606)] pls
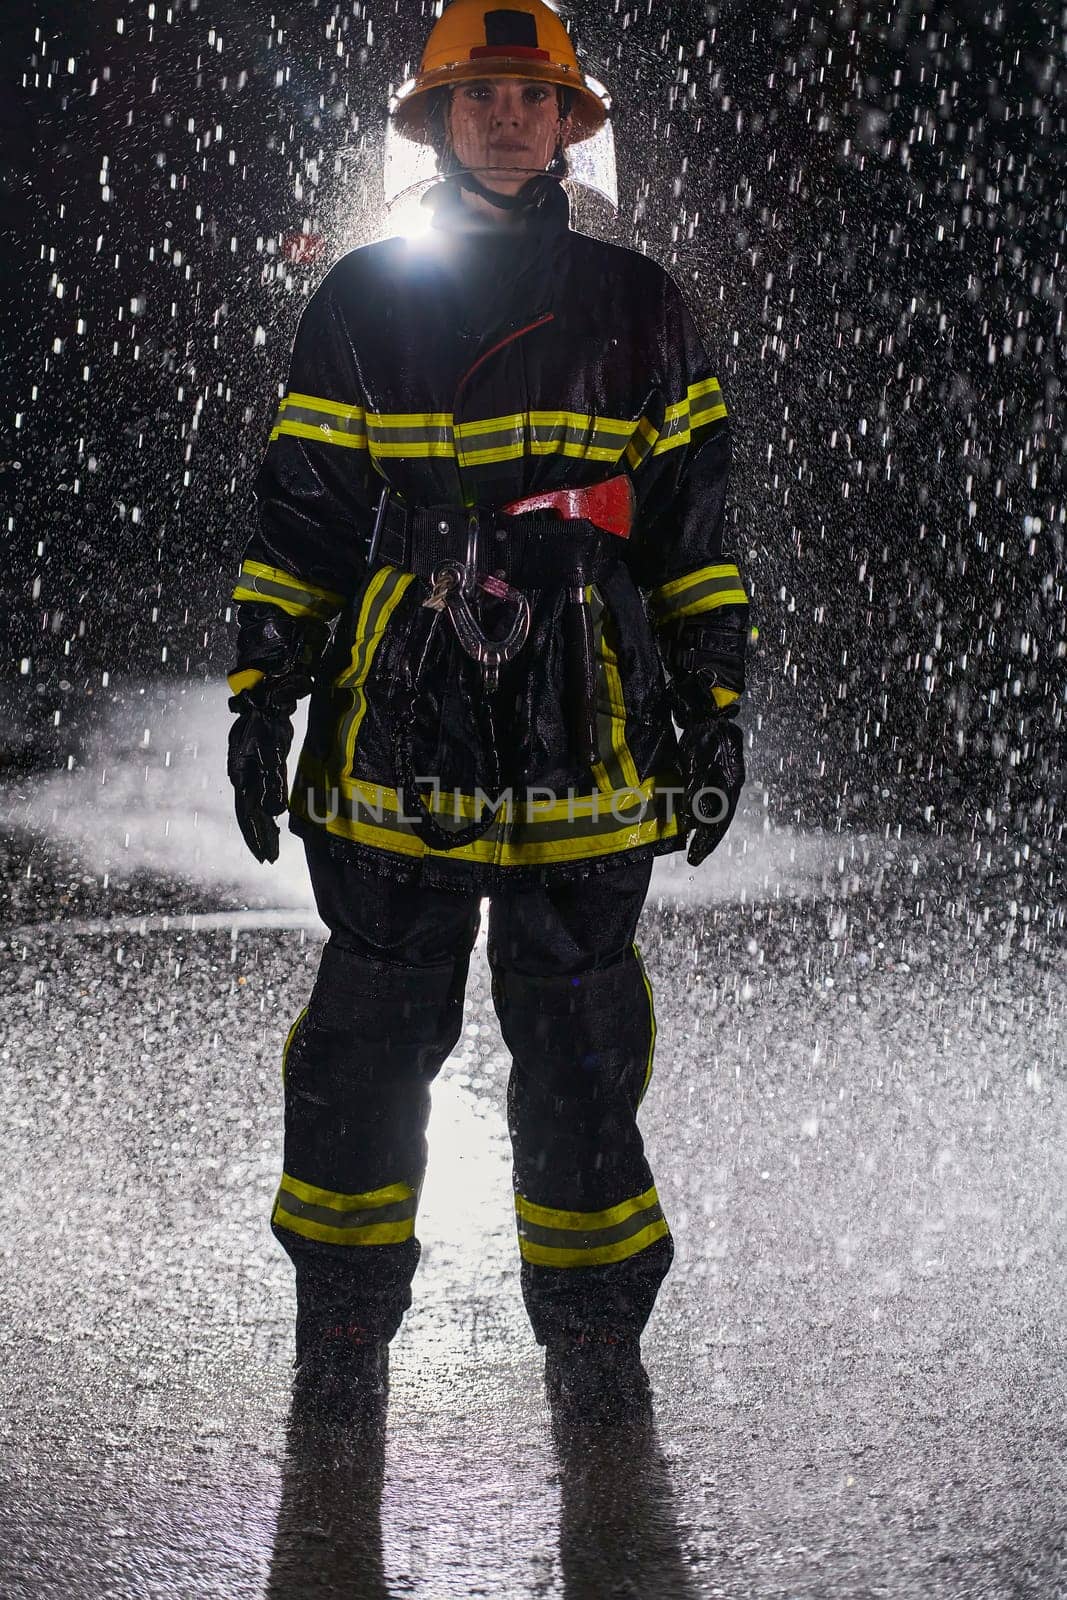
[(505, 128)]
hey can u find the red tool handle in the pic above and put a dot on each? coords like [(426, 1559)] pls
[(608, 505)]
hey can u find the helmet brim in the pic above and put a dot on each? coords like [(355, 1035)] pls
[(410, 110)]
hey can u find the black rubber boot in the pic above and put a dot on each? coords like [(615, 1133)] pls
[(597, 1380), (342, 1382)]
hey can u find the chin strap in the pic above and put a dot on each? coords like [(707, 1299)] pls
[(527, 197)]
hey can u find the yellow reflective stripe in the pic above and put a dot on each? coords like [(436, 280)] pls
[(696, 391), (685, 436), (620, 772), (525, 853), (393, 1194), (447, 803), (705, 386), (652, 1025), (579, 435), (515, 422), (379, 1216), (702, 590), (707, 602), (262, 593), (677, 586), (290, 1036), (582, 421), (295, 596), (584, 1221), (541, 432), (257, 569), (724, 697), (370, 1233), (410, 435), (541, 421), (247, 678), (699, 418), (555, 1238), (384, 593), (546, 1255), (562, 831), (592, 452), (482, 458), (308, 416), (321, 434), (314, 402), (410, 419), (410, 450), (418, 435), (703, 404)]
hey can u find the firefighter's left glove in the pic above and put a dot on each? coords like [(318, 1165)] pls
[(259, 744), (712, 757)]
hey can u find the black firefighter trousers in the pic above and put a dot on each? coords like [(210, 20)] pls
[(575, 1009)]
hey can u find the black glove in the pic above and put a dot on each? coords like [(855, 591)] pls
[(702, 655), (259, 744), (712, 759), (283, 649)]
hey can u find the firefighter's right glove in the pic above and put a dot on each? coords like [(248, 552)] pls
[(712, 758), (278, 653), (259, 744)]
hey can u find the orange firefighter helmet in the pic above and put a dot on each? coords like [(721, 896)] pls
[(482, 39)]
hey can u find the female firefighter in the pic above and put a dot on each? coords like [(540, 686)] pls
[(489, 543)]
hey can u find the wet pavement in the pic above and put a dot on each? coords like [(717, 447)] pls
[(857, 1127)]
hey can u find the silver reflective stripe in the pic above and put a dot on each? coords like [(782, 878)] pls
[(324, 421), (312, 605), (707, 409), (380, 433), (589, 1238), (617, 818), (356, 1217)]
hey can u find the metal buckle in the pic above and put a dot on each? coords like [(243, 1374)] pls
[(473, 552), (453, 586)]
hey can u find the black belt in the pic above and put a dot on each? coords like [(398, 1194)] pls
[(528, 551)]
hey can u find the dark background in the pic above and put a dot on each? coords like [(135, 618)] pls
[(865, 205)]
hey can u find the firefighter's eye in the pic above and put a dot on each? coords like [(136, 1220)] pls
[(534, 94), (477, 91)]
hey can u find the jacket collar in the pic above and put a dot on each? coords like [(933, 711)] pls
[(547, 212)]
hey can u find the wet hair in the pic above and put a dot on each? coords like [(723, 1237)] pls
[(447, 161)]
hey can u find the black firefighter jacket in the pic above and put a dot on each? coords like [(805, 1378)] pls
[(470, 368)]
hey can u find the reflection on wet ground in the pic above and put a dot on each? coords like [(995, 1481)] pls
[(856, 1122), (328, 1538), (618, 1528)]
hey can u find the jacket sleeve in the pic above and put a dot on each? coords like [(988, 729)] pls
[(315, 495), (680, 462)]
